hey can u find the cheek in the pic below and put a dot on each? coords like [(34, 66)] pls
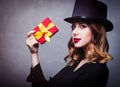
[(86, 37), (89, 35)]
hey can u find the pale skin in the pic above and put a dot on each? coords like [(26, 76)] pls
[(34, 50), (80, 31)]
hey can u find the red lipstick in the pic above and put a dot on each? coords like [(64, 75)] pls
[(76, 40)]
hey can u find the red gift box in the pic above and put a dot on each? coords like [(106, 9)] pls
[(45, 30)]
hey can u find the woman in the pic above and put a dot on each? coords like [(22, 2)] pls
[(88, 50)]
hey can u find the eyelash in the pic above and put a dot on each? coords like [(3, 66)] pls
[(82, 26), (72, 27)]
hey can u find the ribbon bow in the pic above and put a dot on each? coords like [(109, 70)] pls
[(45, 30)]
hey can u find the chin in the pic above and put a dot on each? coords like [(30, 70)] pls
[(77, 46)]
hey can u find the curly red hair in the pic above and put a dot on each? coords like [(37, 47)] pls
[(95, 51)]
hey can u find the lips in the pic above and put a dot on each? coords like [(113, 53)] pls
[(76, 40)]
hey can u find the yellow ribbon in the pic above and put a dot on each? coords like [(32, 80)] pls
[(44, 31)]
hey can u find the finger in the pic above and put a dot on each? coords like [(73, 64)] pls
[(30, 33), (31, 40), (31, 43), (36, 45)]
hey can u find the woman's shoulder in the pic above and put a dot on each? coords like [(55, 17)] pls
[(97, 67), (93, 71)]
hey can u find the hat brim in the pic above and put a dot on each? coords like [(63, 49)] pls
[(106, 23)]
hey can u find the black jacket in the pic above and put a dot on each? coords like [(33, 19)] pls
[(89, 75)]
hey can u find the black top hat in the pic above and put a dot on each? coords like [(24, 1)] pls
[(90, 11)]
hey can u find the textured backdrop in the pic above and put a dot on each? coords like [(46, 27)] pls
[(18, 17)]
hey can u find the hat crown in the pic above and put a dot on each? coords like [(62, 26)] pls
[(90, 9)]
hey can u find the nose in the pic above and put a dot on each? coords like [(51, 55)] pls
[(75, 32)]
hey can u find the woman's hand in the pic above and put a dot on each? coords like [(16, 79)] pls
[(33, 46), (32, 43)]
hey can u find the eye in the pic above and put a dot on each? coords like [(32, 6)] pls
[(73, 27), (82, 26)]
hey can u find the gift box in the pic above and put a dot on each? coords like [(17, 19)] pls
[(45, 30)]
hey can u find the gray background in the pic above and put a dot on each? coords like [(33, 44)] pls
[(18, 17)]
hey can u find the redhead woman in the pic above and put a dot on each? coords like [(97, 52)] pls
[(88, 50)]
